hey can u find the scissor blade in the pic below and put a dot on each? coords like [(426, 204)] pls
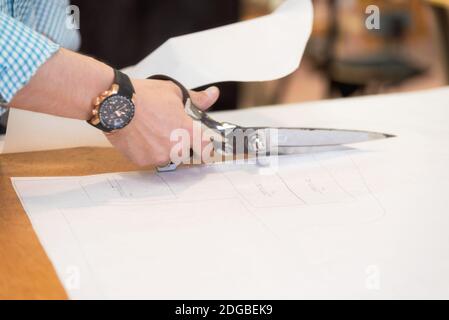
[(290, 140), (314, 137)]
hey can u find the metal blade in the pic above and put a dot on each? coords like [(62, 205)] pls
[(313, 137), (289, 140)]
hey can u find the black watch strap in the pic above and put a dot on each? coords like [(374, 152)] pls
[(100, 126), (126, 88)]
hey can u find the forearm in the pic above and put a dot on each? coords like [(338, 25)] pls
[(65, 86)]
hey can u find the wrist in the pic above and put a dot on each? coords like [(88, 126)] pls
[(99, 81)]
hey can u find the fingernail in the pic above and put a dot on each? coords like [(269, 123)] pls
[(212, 91)]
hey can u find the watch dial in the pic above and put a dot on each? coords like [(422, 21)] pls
[(116, 112)]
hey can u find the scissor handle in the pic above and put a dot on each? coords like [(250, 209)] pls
[(222, 128), (185, 92), (195, 113)]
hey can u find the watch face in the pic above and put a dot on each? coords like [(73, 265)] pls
[(116, 112)]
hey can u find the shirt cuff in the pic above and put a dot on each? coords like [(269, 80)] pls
[(22, 52)]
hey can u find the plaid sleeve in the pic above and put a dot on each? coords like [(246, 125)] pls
[(22, 52)]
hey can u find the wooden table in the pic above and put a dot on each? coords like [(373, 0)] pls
[(25, 270)]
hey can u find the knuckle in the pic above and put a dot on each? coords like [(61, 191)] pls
[(187, 125), (141, 161), (162, 159), (175, 88), (201, 97)]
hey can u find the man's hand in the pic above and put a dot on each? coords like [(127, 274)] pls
[(159, 111), (67, 84)]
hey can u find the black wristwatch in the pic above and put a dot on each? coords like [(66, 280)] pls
[(114, 109)]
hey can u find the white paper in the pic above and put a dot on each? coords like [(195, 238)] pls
[(367, 222), (261, 49)]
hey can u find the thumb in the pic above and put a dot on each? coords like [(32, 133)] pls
[(205, 99)]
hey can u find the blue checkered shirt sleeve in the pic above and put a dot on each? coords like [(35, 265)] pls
[(22, 52)]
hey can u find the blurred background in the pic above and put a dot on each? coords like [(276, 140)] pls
[(343, 58)]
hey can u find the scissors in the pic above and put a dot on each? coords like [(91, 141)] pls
[(266, 140)]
